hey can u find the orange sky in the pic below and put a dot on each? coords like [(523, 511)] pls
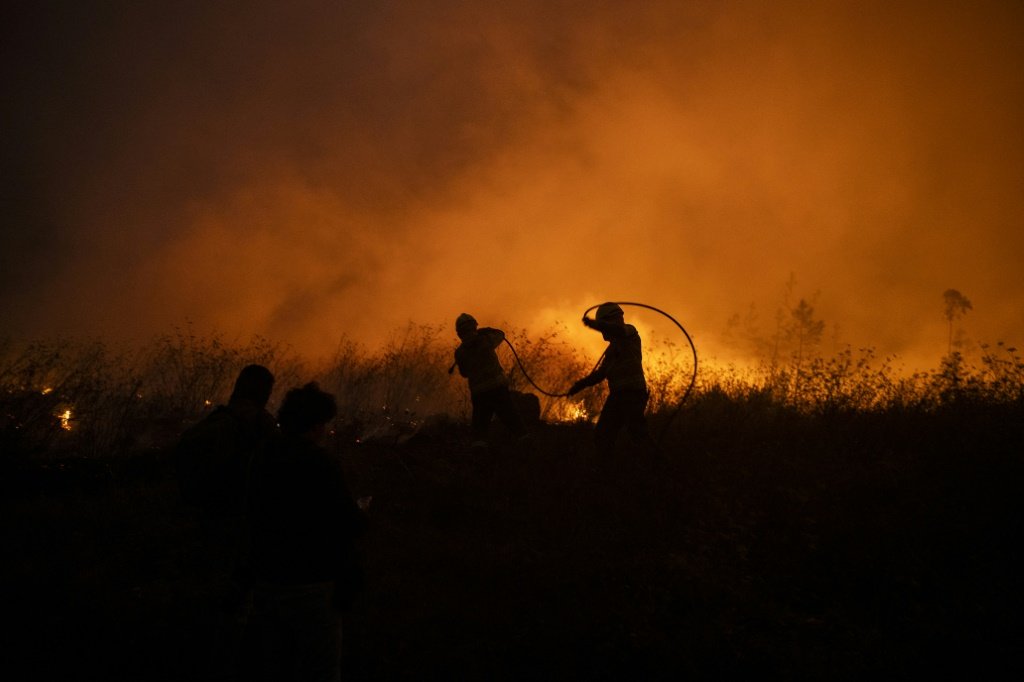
[(327, 169)]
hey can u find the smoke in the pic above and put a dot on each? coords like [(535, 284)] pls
[(317, 169)]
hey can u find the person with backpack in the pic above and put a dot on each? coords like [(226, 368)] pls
[(478, 362), (305, 569), (622, 367)]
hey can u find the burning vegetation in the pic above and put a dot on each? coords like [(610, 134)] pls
[(812, 517), (89, 399)]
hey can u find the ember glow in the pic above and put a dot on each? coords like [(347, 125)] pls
[(570, 411), (313, 170)]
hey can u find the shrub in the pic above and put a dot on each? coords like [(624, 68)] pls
[(86, 397)]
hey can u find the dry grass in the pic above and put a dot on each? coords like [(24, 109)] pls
[(837, 524)]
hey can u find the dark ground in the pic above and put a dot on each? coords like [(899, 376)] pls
[(761, 545)]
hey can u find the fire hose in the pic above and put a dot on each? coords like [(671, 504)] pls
[(689, 340)]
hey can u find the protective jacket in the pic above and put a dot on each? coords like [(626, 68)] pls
[(622, 364), (478, 361), (303, 518)]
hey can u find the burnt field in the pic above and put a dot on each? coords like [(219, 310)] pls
[(763, 542), (822, 518)]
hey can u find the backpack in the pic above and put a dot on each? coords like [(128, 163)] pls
[(212, 459)]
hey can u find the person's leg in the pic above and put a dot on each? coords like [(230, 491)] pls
[(636, 421), (483, 411), (269, 646), (221, 600), (319, 634), (508, 413), (300, 633), (611, 421)]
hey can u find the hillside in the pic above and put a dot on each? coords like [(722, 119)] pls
[(761, 542)]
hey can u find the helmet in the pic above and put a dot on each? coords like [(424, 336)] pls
[(608, 311), (465, 322)]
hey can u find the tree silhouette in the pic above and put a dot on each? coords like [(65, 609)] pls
[(796, 337), (804, 330), (957, 306)]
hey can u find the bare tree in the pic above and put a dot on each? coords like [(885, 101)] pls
[(956, 306), (804, 329)]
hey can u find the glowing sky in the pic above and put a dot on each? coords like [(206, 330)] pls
[(305, 170)]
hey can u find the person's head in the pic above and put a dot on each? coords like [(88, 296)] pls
[(306, 410), (610, 312), (253, 385), (465, 325)]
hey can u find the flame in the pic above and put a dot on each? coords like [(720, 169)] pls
[(47, 391), (571, 412), (65, 420)]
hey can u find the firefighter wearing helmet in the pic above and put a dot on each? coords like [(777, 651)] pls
[(622, 367)]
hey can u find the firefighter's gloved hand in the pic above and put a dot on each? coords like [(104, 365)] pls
[(587, 322), (577, 387)]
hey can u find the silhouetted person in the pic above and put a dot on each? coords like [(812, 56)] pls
[(488, 386), (622, 367), (303, 557), (213, 459), (248, 402), (213, 456), (256, 427)]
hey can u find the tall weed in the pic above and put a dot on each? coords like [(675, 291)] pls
[(87, 398)]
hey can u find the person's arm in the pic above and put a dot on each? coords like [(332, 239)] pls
[(351, 522), (609, 329), (597, 376), (350, 519), (493, 336)]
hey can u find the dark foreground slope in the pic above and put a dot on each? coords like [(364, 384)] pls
[(761, 544)]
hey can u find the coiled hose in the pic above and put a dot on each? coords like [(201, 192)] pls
[(693, 349)]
